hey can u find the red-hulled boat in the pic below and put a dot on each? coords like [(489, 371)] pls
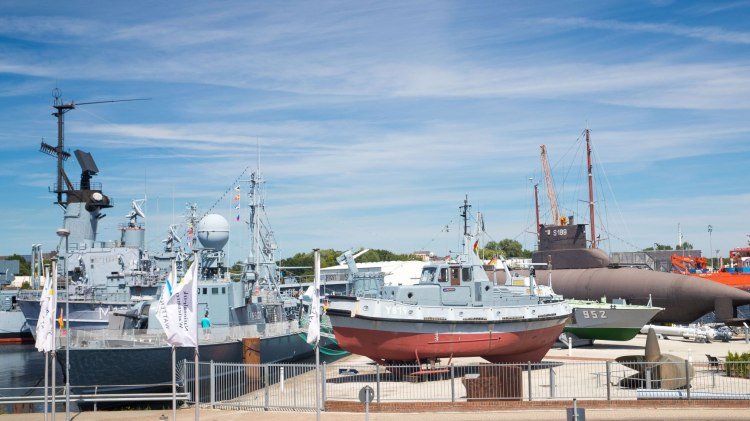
[(454, 311)]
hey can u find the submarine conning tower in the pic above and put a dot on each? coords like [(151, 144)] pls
[(566, 247)]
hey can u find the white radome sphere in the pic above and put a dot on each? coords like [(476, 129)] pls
[(213, 231)]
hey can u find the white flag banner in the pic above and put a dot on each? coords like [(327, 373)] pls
[(45, 325), (166, 293), (179, 316), (313, 328)]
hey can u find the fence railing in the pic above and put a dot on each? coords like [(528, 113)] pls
[(292, 386)]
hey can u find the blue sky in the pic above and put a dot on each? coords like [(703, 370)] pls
[(375, 118)]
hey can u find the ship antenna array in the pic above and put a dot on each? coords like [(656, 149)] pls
[(464, 214), (59, 151)]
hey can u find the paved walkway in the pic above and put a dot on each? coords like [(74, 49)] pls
[(693, 414)]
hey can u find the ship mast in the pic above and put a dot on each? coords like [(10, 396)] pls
[(550, 185), (591, 189), (536, 208), (464, 215)]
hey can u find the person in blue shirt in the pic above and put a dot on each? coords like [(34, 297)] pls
[(206, 325)]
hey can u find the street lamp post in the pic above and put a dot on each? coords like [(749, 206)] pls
[(65, 233), (710, 243)]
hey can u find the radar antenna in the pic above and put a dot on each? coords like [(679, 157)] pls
[(136, 212), (63, 184)]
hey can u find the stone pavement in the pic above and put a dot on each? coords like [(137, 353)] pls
[(692, 414)]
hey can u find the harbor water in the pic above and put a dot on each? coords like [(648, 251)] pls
[(22, 374)]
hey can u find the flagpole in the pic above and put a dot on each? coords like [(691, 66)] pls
[(54, 392), (174, 383), (53, 367), (316, 296), (195, 324), (46, 383)]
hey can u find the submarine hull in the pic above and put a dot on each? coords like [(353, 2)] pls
[(684, 298)]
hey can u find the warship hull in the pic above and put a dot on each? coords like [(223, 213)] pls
[(13, 328), (137, 369), (612, 322), (83, 315)]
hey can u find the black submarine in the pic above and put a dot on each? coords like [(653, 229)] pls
[(582, 271), (586, 273)]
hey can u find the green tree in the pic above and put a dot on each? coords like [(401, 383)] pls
[(506, 247), (25, 285), (684, 246), (24, 266)]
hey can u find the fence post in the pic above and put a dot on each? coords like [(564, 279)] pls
[(212, 383), (551, 382), (377, 383), (453, 383), (687, 378), (648, 378), (323, 380), (528, 366), (266, 377), (609, 380)]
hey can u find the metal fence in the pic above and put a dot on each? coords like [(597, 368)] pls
[(292, 386)]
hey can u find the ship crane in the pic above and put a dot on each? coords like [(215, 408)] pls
[(550, 185)]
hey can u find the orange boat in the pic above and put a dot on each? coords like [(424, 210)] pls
[(735, 274)]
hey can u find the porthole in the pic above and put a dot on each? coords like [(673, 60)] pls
[(409, 295)]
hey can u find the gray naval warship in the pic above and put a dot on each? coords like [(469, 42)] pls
[(113, 286), (102, 277)]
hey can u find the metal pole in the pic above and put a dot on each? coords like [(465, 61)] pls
[(212, 383), (529, 377), (174, 384), (453, 384), (67, 331), (377, 383), (551, 382), (687, 378), (316, 285), (266, 378), (197, 386), (323, 382), (54, 392), (609, 380), (46, 381), (592, 218)]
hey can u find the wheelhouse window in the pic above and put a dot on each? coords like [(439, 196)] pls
[(443, 276), (466, 274), (428, 274)]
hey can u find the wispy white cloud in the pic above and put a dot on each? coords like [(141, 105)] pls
[(704, 33)]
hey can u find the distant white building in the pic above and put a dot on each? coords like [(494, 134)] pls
[(398, 272)]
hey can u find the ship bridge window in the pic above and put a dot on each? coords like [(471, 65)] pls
[(205, 291), (215, 291), (466, 274), (428, 274), (223, 290), (443, 276)]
